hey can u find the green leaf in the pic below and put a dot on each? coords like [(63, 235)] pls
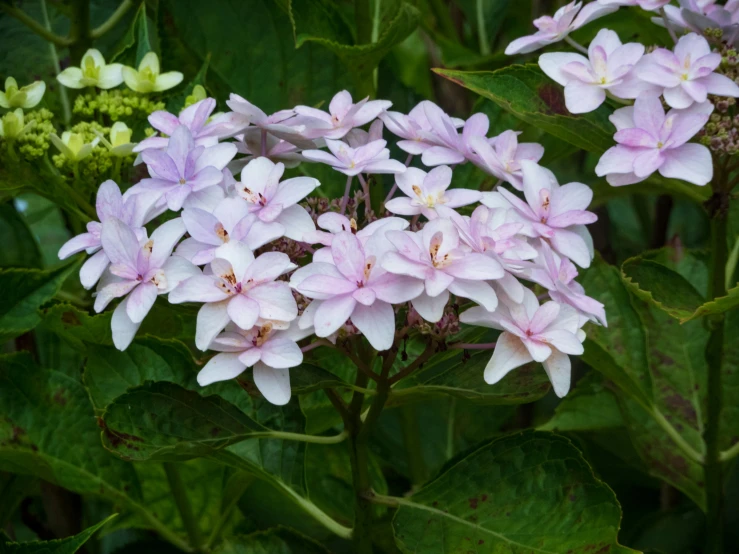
[(70, 545), (138, 40), (269, 71), (530, 492), (451, 375), (321, 22), (328, 478), (619, 350), (526, 92), (308, 377), (661, 286), (25, 290), (165, 422), (38, 410), (590, 406), (20, 249), (717, 305), (273, 541), (730, 382)]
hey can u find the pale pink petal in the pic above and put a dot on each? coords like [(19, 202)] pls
[(376, 323), (478, 291), (275, 300), (282, 353), (552, 65), (332, 314), (123, 330), (396, 289), (431, 308), (212, 318), (558, 369), (93, 268), (140, 301), (720, 85), (296, 222), (220, 367), (243, 311), (509, 354), (273, 383), (690, 162), (583, 97)]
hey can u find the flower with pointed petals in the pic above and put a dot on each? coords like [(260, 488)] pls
[(140, 270), (354, 286), (608, 67), (196, 118), (553, 212), (120, 144), (546, 334), (275, 203), (414, 128), (553, 29), (271, 352), (343, 115), (493, 232), (373, 157), (229, 222), (501, 156), (25, 97), (649, 141), (277, 150), (109, 204), (241, 288), (700, 15), (452, 147), (148, 78), (334, 223), (557, 275), (425, 192), (435, 257), (73, 145), (280, 124), (93, 72), (687, 75), (184, 168)]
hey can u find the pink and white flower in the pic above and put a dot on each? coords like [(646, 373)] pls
[(414, 128), (553, 29), (452, 147), (270, 351), (649, 141), (546, 334), (241, 288), (608, 68), (275, 202), (427, 192), (435, 256), (649, 5), (109, 204), (501, 156), (354, 286), (183, 168), (140, 269), (553, 212), (687, 75), (343, 115), (229, 222), (373, 157)]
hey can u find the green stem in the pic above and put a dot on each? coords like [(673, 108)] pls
[(183, 504), (79, 30), (440, 10), (713, 467), (35, 26), (413, 446), (576, 45), (675, 436), (363, 19), (117, 169), (482, 33), (315, 439), (114, 18), (63, 96), (359, 459)]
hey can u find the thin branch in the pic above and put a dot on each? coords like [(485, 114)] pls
[(35, 26), (114, 18), (668, 25), (415, 364), (316, 344), (473, 346), (63, 96), (576, 45)]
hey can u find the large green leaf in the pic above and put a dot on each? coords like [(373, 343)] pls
[(140, 38), (526, 92), (730, 382), (20, 249), (24, 291), (661, 286), (252, 52), (36, 405), (273, 541), (530, 492), (320, 21), (452, 375), (164, 422), (590, 406), (69, 545)]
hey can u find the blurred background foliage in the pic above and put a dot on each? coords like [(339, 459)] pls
[(278, 54)]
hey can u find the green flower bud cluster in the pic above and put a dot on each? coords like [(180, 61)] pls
[(100, 164), (34, 143), (115, 104)]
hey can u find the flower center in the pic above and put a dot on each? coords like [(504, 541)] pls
[(183, 180)]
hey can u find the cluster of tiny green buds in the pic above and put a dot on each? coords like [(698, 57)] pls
[(447, 326), (35, 142), (115, 104)]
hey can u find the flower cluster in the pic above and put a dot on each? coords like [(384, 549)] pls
[(234, 245), (685, 79)]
